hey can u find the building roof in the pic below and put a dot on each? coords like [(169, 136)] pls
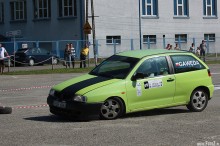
[(149, 52)]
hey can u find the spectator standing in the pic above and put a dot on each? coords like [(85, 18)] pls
[(3, 53), (83, 55), (67, 55), (168, 47), (73, 54), (192, 48), (203, 50), (171, 47), (176, 47), (198, 51)]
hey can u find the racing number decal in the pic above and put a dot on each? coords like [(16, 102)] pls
[(153, 84)]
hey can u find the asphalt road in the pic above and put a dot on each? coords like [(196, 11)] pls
[(32, 124)]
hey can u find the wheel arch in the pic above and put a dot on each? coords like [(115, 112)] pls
[(123, 102), (204, 88)]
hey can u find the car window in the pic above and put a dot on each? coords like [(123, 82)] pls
[(33, 51), (22, 50), (38, 51), (185, 63), (154, 67), (44, 51), (115, 67)]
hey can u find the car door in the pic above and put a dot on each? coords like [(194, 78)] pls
[(44, 56), (33, 54), (155, 89)]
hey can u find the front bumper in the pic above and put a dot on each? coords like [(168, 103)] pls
[(73, 109)]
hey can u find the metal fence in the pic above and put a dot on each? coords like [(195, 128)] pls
[(106, 48)]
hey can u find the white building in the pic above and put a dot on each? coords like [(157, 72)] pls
[(119, 26)]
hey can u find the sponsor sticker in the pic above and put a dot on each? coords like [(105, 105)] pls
[(138, 87), (187, 63), (153, 84)]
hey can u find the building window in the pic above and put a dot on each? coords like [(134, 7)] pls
[(1, 12), (182, 38), (149, 7), (18, 10), (209, 37), (42, 9), (113, 39), (151, 38), (181, 8), (209, 8), (67, 8)]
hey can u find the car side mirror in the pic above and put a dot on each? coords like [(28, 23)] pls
[(137, 76)]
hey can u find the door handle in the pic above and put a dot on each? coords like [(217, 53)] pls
[(170, 80)]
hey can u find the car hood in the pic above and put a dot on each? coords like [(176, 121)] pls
[(83, 84)]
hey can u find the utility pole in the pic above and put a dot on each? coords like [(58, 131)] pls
[(87, 3), (93, 32), (140, 35)]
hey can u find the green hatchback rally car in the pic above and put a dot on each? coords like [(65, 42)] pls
[(134, 81)]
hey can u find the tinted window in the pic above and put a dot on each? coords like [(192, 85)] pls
[(185, 63), (115, 67), (44, 51), (154, 67), (22, 50)]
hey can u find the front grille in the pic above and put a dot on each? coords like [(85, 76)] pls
[(65, 112), (62, 96)]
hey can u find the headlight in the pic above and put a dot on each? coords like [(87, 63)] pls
[(52, 91), (79, 98)]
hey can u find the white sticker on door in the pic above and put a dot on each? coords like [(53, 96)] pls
[(153, 84), (138, 88)]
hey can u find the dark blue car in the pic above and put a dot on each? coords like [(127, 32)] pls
[(34, 56)]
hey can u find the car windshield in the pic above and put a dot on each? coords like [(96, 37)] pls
[(22, 50), (115, 67)]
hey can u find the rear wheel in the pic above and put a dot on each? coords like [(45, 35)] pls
[(112, 108), (31, 62), (198, 101), (55, 61)]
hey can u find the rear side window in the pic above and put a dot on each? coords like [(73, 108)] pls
[(185, 63), (154, 67)]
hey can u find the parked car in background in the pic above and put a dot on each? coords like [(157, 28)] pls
[(34, 56)]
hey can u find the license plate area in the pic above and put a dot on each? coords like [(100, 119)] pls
[(59, 104)]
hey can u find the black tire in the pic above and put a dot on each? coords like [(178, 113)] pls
[(112, 108), (5, 110), (31, 62), (198, 101)]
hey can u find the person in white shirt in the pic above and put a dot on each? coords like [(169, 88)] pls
[(3, 52)]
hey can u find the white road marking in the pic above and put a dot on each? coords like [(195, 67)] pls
[(215, 73), (217, 87)]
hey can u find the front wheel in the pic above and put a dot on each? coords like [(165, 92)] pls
[(111, 109), (198, 101), (31, 62)]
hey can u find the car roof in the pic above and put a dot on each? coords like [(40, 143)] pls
[(148, 52)]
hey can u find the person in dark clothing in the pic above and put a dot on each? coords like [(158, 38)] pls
[(203, 50)]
